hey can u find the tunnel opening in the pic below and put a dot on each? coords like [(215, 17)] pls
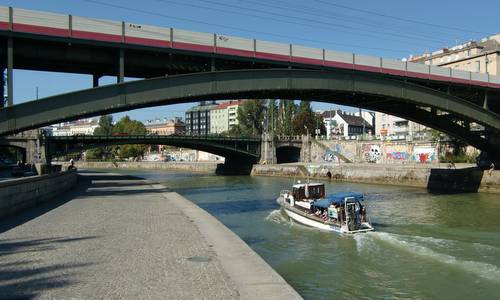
[(287, 154)]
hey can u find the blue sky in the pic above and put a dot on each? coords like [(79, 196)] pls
[(388, 28)]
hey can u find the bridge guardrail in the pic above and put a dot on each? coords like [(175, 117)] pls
[(52, 24)]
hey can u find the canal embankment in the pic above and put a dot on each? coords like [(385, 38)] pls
[(125, 237), (435, 176), (462, 178), (22, 193), (199, 167)]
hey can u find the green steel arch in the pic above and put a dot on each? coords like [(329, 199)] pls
[(400, 98), (229, 147)]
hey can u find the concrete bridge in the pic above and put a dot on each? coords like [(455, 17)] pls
[(201, 66)]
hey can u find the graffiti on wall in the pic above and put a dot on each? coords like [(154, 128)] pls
[(397, 152), (424, 154), (372, 153), (348, 150), (329, 156)]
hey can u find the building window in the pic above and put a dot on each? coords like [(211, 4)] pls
[(478, 66)]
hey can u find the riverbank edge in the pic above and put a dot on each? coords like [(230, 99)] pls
[(253, 277), (208, 167), (387, 174)]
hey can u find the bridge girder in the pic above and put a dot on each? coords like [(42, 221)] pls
[(240, 148), (396, 97)]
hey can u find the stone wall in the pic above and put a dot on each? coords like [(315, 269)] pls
[(466, 179), (19, 194), (203, 167), (374, 151)]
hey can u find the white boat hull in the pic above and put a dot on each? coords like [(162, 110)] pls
[(311, 223), (317, 224)]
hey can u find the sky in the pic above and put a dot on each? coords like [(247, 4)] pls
[(387, 28)]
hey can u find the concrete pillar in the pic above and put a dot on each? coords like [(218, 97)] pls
[(212, 65), (267, 150), (121, 66), (95, 80), (2, 87), (485, 102), (10, 73), (305, 150)]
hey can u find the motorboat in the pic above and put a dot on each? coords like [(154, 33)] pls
[(340, 212)]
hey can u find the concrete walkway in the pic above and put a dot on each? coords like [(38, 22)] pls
[(121, 237)]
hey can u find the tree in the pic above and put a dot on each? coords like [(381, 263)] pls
[(132, 127), (105, 125), (286, 112), (250, 117), (105, 128), (306, 121)]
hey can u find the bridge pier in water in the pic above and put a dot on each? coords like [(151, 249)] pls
[(235, 166)]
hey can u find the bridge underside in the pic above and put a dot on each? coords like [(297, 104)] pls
[(240, 154), (431, 107)]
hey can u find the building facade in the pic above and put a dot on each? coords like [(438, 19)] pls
[(343, 124), (165, 127), (396, 128), (481, 56), (224, 116), (79, 127), (198, 118)]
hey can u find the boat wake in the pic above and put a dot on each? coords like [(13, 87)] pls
[(277, 217), (421, 246)]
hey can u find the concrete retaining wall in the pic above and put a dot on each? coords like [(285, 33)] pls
[(23, 193), (202, 167), (392, 174)]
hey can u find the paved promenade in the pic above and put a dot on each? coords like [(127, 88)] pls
[(120, 237)]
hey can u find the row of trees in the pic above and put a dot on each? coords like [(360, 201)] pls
[(124, 126), (279, 117)]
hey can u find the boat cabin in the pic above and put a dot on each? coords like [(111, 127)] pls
[(307, 191)]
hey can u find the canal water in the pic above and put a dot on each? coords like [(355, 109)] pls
[(425, 246)]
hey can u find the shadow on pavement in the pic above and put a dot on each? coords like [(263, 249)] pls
[(85, 180), (23, 279), (34, 212)]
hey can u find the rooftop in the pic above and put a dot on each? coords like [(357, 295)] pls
[(226, 104)]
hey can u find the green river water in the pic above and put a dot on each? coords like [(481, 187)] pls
[(425, 246)]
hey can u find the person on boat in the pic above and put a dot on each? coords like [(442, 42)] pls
[(363, 213)]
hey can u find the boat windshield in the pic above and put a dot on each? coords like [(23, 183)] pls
[(314, 191)]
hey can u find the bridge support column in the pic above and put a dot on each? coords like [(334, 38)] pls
[(267, 150), (235, 166), (485, 101), (121, 66), (305, 151), (10, 72), (2, 87), (95, 80)]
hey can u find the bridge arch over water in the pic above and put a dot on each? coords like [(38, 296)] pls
[(430, 107)]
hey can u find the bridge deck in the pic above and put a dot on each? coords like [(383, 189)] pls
[(123, 238), (229, 49)]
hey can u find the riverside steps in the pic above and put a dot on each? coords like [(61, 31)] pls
[(117, 236)]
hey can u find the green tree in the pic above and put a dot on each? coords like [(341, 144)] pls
[(250, 117), (287, 110), (105, 125), (131, 127), (306, 121), (105, 128)]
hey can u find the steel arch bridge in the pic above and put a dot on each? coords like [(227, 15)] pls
[(247, 149), (431, 107)]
